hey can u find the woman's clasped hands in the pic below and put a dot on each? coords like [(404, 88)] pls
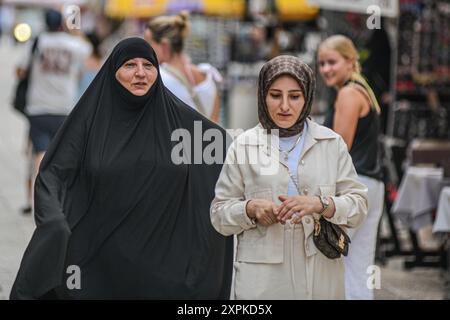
[(295, 208)]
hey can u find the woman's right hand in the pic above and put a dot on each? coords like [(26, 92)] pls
[(262, 211)]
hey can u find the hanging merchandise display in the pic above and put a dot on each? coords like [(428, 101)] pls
[(423, 71), (421, 108), (415, 119), (424, 46)]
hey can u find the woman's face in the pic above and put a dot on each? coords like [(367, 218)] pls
[(285, 101), (137, 75), (159, 47), (334, 68)]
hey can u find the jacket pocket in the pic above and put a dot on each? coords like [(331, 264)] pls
[(262, 253), (255, 234)]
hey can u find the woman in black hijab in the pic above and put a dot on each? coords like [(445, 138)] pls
[(111, 204)]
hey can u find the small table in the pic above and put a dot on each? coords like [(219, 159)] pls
[(418, 195), (442, 222), (442, 228)]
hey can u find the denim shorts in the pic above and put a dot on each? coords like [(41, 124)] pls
[(42, 130)]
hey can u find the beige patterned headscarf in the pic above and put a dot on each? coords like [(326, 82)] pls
[(300, 71)]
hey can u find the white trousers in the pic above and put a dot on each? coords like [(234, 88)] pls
[(361, 252)]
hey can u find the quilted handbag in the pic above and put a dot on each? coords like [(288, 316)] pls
[(330, 239)]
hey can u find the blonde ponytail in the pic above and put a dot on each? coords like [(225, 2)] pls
[(182, 22), (357, 67), (173, 28), (358, 77)]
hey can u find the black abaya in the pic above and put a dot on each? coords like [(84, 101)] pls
[(110, 200)]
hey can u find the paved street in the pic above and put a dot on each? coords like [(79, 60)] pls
[(16, 229)]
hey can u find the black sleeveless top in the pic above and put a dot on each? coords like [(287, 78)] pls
[(364, 151)]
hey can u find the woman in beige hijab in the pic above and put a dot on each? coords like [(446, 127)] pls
[(278, 180)]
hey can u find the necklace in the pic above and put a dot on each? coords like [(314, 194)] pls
[(286, 153)]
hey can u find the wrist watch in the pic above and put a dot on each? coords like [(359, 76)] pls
[(325, 203)]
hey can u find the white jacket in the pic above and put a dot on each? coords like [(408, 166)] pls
[(325, 168)]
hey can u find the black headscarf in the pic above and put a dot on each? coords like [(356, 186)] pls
[(109, 200), (302, 73)]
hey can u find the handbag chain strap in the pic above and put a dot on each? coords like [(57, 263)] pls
[(295, 181)]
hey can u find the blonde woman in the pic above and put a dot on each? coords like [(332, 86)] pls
[(355, 117), (195, 85)]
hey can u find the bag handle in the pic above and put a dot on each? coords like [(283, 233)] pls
[(33, 50)]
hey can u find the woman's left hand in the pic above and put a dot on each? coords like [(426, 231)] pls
[(296, 207)]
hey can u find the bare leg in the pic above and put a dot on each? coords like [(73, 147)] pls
[(28, 208), (37, 162)]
